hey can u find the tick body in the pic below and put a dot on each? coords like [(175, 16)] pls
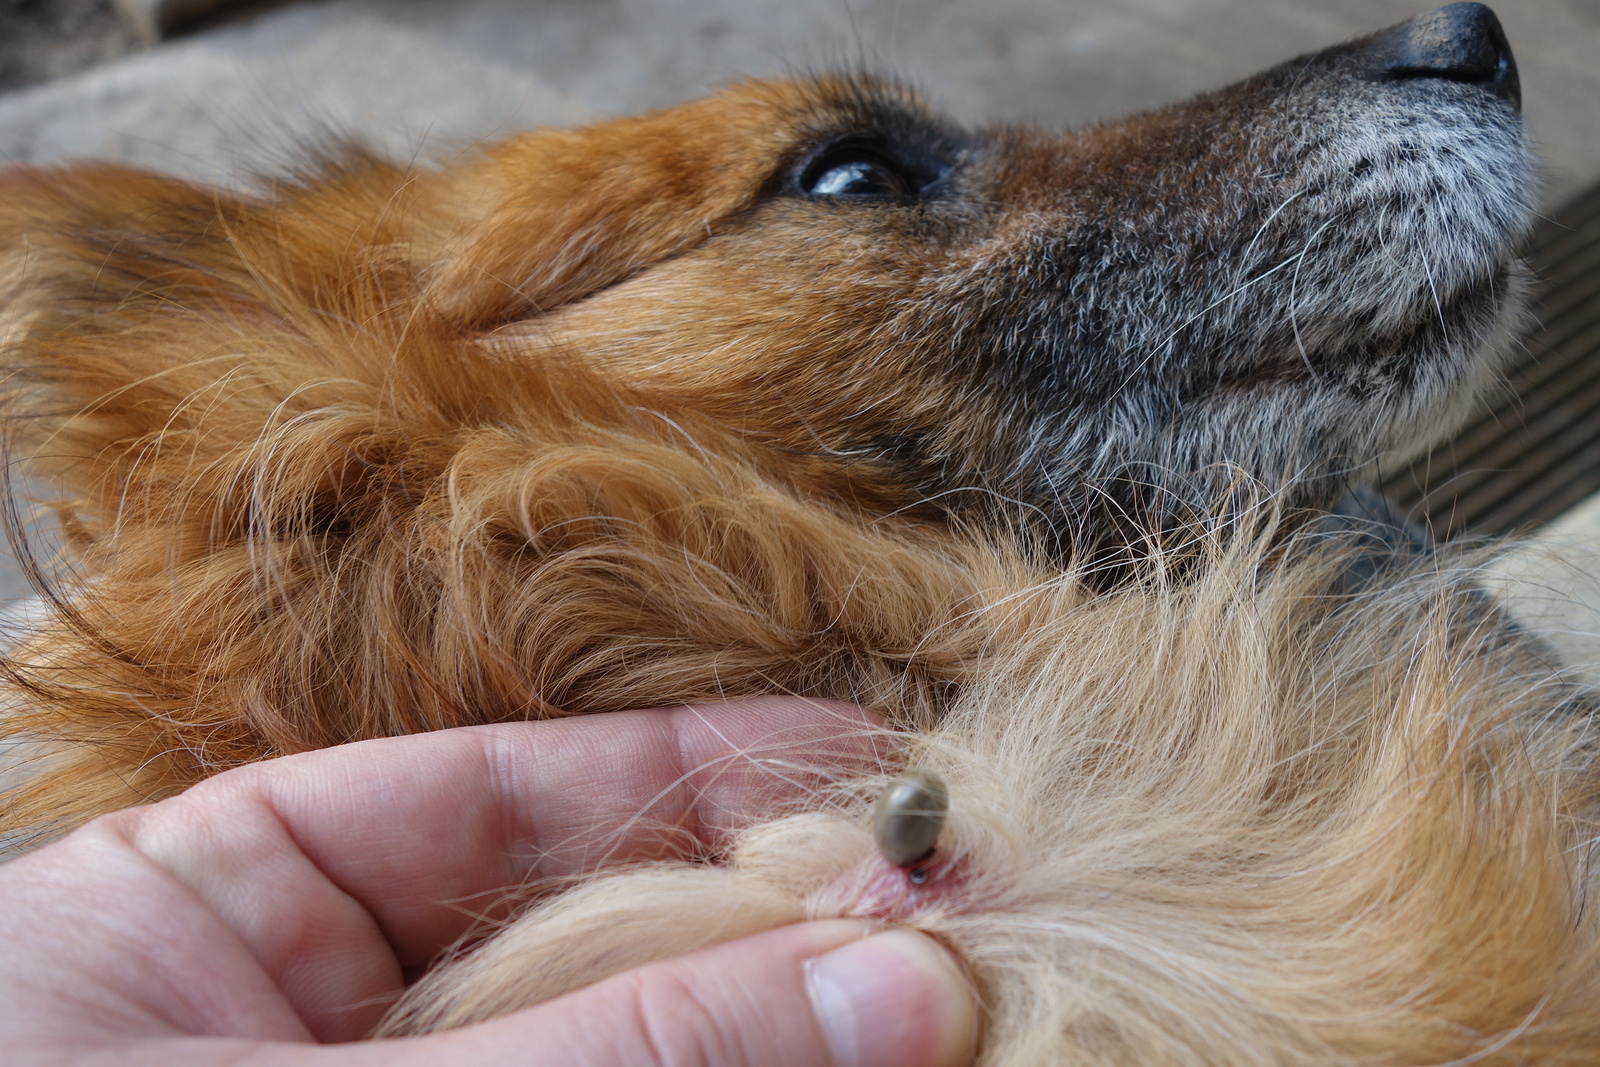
[(911, 811)]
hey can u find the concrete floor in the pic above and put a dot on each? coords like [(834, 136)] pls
[(426, 76), (430, 74)]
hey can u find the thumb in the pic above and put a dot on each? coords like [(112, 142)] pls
[(831, 994)]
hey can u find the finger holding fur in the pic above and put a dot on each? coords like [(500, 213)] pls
[(875, 998), (341, 869), (828, 994)]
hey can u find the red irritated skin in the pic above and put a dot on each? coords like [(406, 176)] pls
[(876, 889)]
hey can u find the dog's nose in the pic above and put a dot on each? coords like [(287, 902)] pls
[(1459, 43)]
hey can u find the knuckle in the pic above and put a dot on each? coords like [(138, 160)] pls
[(678, 1025)]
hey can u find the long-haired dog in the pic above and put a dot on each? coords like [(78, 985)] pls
[(802, 388)]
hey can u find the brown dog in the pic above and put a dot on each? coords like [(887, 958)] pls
[(802, 388)]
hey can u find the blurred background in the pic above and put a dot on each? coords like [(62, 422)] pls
[(208, 87), (220, 91)]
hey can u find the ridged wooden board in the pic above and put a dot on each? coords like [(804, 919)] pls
[(1536, 451)]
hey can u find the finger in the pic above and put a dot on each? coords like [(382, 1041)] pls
[(824, 994), (819, 994), (339, 868)]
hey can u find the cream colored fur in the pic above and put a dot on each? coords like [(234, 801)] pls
[(1237, 820)]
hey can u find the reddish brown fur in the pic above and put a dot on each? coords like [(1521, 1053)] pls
[(315, 501), (618, 416), (313, 512)]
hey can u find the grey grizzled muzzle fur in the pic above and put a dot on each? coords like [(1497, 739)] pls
[(1276, 282), (1282, 280)]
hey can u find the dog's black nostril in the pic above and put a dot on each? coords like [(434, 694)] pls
[(1459, 43)]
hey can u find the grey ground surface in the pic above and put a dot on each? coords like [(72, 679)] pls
[(44, 39), (430, 74), (426, 76)]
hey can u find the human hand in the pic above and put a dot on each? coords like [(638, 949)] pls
[(268, 915)]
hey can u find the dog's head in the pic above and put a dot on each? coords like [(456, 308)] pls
[(1279, 281), (1098, 332), (711, 400)]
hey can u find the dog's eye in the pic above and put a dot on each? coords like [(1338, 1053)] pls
[(855, 172)]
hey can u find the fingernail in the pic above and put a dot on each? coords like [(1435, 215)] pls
[(893, 998)]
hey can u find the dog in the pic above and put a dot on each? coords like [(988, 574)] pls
[(803, 388)]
